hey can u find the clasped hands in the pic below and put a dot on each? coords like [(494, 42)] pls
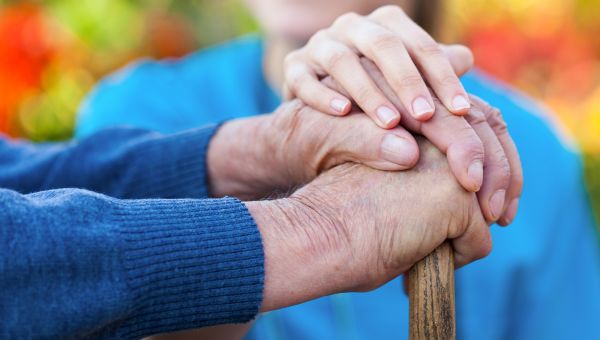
[(357, 210), (354, 201)]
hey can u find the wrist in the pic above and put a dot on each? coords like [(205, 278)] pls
[(303, 259), (241, 159)]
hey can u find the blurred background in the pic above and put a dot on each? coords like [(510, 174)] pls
[(52, 52)]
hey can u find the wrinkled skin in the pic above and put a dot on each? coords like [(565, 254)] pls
[(367, 211)]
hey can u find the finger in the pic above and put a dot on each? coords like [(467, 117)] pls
[(431, 60), (390, 150), (497, 170), (496, 122), (303, 83), (388, 52), (464, 149), (474, 243), (460, 57), (344, 66), (452, 134), (334, 85)]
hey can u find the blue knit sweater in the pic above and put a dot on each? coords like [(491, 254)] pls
[(135, 248)]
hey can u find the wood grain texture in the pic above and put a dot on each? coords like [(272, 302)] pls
[(431, 293)]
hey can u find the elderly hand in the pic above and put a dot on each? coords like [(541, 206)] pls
[(354, 228), (254, 157), (408, 56), (479, 138)]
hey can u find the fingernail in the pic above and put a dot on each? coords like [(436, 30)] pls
[(397, 150), (497, 203), (386, 115), (421, 107), (511, 211), (460, 103), (339, 105), (475, 173)]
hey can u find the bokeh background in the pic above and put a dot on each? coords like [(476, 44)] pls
[(52, 52)]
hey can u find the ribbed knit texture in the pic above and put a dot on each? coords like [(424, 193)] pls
[(75, 263), (182, 275), (119, 162)]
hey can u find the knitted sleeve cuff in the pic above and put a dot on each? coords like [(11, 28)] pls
[(189, 264)]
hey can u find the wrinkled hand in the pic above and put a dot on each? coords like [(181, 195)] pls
[(253, 157), (481, 152), (355, 228)]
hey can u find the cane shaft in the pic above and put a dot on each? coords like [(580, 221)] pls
[(431, 293)]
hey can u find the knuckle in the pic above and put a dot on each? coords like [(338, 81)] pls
[(388, 11), (465, 139), (292, 59), (496, 121), (291, 109), (473, 147), (485, 247), (483, 244), (295, 77), (386, 41), (410, 81), (295, 82), (337, 57), (287, 117), (295, 119), (476, 117), (365, 96), (317, 38), (429, 48), (346, 20), (448, 80)]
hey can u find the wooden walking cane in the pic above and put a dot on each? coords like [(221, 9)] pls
[(431, 296)]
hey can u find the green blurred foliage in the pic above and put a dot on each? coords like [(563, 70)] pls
[(592, 171), (89, 38)]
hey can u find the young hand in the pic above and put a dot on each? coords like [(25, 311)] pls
[(481, 152), (409, 58)]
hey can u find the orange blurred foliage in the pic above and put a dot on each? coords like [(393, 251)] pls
[(26, 49)]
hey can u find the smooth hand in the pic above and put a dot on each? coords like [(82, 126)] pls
[(408, 56)]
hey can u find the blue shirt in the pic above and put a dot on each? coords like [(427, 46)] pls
[(542, 281)]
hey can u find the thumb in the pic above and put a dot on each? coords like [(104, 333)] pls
[(364, 142), (461, 58)]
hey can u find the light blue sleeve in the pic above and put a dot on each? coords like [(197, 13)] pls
[(564, 301), (147, 94), (209, 86), (542, 280)]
